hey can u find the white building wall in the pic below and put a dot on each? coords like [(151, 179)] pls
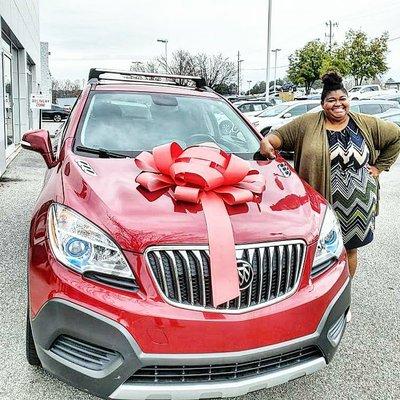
[(20, 21), (45, 81)]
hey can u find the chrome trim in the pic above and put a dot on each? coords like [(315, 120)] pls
[(241, 247), (182, 391)]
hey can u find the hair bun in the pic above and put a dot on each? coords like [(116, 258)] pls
[(332, 80)]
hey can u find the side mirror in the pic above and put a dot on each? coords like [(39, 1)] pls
[(287, 115), (39, 141)]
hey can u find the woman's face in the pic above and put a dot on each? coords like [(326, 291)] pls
[(336, 105)]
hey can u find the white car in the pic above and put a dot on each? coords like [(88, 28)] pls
[(251, 108), (368, 91), (281, 114)]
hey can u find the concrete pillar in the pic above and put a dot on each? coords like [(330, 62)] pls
[(23, 93)]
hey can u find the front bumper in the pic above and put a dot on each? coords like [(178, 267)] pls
[(61, 317)]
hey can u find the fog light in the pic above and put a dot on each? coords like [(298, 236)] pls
[(336, 331)]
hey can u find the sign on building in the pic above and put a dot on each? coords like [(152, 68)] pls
[(40, 101)]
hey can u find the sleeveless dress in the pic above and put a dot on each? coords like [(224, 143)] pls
[(354, 189)]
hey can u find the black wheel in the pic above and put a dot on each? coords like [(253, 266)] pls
[(31, 354), (57, 118)]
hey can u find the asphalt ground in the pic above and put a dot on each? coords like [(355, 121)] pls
[(366, 366)]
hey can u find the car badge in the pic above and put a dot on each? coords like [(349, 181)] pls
[(284, 170), (246, 274)]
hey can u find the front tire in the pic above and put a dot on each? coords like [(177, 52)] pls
[(57, 118), (31, 354)]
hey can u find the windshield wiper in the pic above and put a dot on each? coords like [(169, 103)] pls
[(102, 153)]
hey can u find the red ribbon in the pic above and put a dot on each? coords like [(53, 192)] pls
[(207, 175)]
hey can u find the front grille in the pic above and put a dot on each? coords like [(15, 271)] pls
[(223, 372), (183, 274), (83, 354)]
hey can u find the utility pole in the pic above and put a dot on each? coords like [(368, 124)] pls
[(330, 24), (268, 49), (165, 41), (276, 56), (238, 72)]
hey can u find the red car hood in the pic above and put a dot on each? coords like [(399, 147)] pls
[(137, 219)]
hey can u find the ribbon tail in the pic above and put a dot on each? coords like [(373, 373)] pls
[(223, 265)]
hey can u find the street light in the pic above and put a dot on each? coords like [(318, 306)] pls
[(268, 49), (165, 41), (276, 56)]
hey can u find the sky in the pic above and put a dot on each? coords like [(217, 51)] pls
[(83, 34)]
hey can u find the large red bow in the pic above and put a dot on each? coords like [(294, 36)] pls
[(208, 175)]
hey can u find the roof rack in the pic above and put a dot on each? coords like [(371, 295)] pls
[(95, 73)]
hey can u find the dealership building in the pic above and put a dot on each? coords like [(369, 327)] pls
[(19, 73)]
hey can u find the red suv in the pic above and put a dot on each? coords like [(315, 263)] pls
[(120, 296)]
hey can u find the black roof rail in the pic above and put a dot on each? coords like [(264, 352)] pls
[(95, 74)]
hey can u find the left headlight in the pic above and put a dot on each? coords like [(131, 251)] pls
[(80, 245), (330, 243)]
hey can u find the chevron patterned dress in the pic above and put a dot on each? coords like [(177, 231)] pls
[(354, 189)]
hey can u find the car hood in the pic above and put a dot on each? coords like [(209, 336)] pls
[(136, 219), (267, 121)]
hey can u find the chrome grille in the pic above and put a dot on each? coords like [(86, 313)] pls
[(223, 372), (183, 275)]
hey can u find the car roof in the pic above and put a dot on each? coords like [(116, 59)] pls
[(154, 88), (359, 102)]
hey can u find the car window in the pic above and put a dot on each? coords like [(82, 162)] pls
[(246, 108), (298, 110), (371, 109), (354, 89), (258, 107), (142, 121), (355, 108), (311, 106), (264, 106)]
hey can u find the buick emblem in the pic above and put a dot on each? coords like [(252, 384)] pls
[(245, 271)]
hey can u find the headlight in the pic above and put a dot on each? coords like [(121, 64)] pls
[(330, 243), (83, 247)]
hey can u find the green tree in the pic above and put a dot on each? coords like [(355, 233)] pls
[(337, 61), (305, 65), (366, 59)]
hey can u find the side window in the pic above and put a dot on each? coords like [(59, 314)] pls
[(245, 108), (374, 88), (355, 108), (311, 106), (298, 110), (264, 106), (371, 109), (257, 107)]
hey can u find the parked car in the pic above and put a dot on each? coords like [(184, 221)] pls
[(368, 91), (392, 116), (119, 291), (378, 108), (282, 114), (56, 113), (389, 97), (252, 107)]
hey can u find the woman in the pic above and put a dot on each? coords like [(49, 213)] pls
[(341, 154)]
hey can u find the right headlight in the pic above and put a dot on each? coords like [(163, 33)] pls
[(82, 246), (330, 243)]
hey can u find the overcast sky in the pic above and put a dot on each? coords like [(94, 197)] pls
[(98, 33)]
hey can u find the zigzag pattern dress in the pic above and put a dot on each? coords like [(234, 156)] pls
[(354, 189)]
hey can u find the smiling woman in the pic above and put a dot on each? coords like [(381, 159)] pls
[(341, 154)]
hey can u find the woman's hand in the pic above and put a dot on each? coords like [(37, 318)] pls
[(266, 148), (373, 171)]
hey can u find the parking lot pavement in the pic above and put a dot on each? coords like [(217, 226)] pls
[(365, 367)]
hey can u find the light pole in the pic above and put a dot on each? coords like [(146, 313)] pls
[(276, 56), (239, 61), (165, 41), (249, 82), (268, 49)]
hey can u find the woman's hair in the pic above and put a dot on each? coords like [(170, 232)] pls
[(332, 81)]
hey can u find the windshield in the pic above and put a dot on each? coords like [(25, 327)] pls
[(274, 111), (355, 89), (132, 122)]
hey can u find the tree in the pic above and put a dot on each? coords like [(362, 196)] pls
[(217, 70), (305, 64), (65, 88), (366, 59), (181, 63), (337, 61)]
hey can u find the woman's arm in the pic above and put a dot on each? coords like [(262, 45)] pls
[(389, 144)]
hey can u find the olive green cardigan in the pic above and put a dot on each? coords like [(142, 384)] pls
[(306, 136)]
